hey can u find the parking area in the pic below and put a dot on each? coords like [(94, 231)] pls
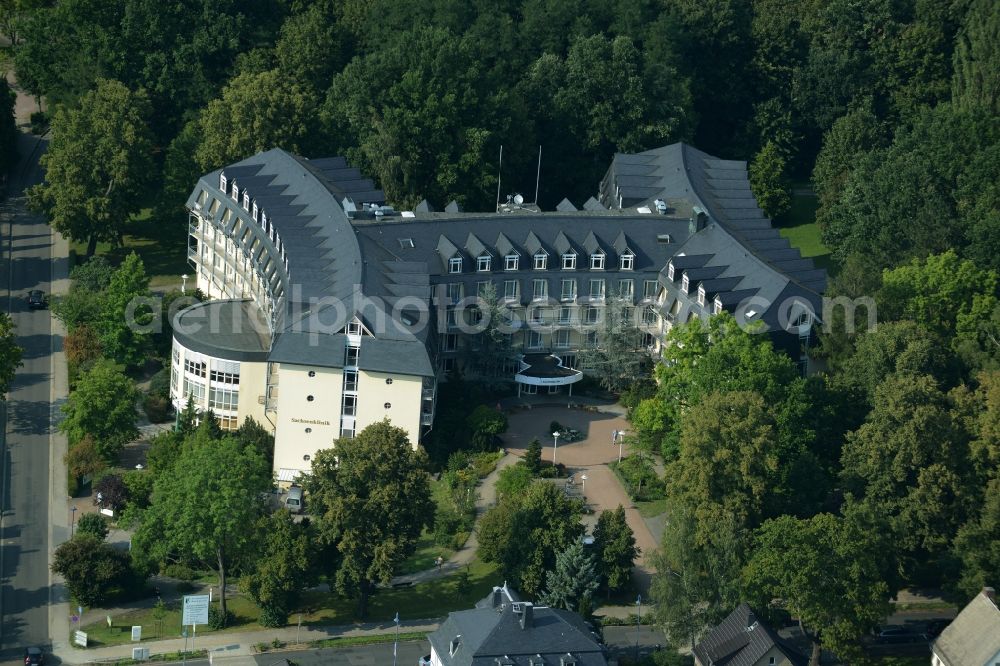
[(588, 456)]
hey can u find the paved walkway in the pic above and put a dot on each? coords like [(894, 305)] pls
[(589, 456)]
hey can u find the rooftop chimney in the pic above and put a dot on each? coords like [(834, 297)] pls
[(497, 597), (526, 615)]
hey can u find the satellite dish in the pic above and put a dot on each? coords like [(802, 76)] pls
[(518, 199)]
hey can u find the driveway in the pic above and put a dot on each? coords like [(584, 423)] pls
[(589, 456)]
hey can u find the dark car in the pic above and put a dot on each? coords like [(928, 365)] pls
[(33, 656), (899, 636), (36, 299)]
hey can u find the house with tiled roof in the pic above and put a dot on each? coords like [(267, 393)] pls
[(742, 639), (973, 637), (502, 630)]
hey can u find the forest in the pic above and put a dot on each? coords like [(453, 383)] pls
[(885, 466)]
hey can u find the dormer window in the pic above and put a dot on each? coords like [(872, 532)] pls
[(670, 271), (255, 211), (685, 283), (510, 262), (455, 265), (236, 191), (222, 182), (718, 305), (627, 261), (483, 263), (541, 261), (569, 262), (597, 262), (246, 200), (701, 296)]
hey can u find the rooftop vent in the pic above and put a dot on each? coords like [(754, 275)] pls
[(664, 239), (643, 210), (661, 206), (405, 243)]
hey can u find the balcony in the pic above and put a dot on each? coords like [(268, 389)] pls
[(427, 419)]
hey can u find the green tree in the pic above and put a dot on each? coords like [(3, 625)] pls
[(533, 456), (102, 407), (254, 434), (97, 166), (484, 424), (619, 360), (164, 449), (523, 533), (124, 320), (93, 570), (514, 480), (8, 128), (491, 346), (257, 111), (976, 544), (792, 560), (313, 46), (976, 79), (92, 525), (574, 580), (83, 458), (851, 136), (10, 353), (371, 498), (286, 566), (94, 275), (614, 544), (769, 181), (203, 506)]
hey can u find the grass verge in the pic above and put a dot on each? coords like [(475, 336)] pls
[(651, 508), (428, 550), (343, 641)]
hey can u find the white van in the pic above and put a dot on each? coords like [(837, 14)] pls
[(293, 500)]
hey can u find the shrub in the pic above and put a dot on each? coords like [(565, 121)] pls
[(533, 456), (555, 426), (216, 620), (139, 487), (83, 459), (39, 122), (157, 407), (447, 522), (639, 478), (113, 493), (159, 384), (514, 480), (92, 524), (459, 539), (179, 571), (272, 617), (484, 463), (81, 345), (484, 424)]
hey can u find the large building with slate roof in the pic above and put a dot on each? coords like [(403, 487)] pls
[(973, 637), (332, 310), (743, 640), (502, 630)]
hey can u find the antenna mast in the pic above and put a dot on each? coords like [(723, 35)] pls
[(499, 167), (538, 174)]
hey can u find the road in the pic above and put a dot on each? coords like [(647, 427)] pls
[(24, 563)]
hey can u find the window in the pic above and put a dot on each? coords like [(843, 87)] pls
[(256, 211), (562, 338), (569, 262), (626, 288), (718, 305), (236, 191), (541, 261), (565, 315), (649, 288), (354, 327), (449, 342), (455, 292), (222, 182), (483, 263), (670, 271), (537, 315), (246, 200), (701, 295), (221, 398), (539, 290), (597, 289), (475, 316), (567, 291), (405, 243), (214, 208), (481, 288), (350, 405), (649, 315), (802, 320), (510, 262), (194, 390), (351, 355), (347, 432), (224, 377), (591, 315), (227, 422), (173, 379), (685, 283), (534, 339), (627, 261), (194, 367), (591, 338), (176, 355), (597, 262), (510, 290), (350, 380), (455, 265)]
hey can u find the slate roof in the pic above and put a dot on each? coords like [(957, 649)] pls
[(231, 329), (973, 637), (488, 633), (741, 640)]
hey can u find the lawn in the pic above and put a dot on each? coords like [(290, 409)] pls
[(651, 508), (800, 228), (426, 600), (163, 248), (427, 551)]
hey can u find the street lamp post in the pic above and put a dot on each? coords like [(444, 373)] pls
[(638, 620), (583, 477), (184, 282), (72, 527), (621, 441), (396, 642), (555, 445)]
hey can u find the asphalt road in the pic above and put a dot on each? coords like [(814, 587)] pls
[(25, 592)]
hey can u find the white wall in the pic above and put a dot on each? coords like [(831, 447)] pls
[(296, 414), (403, 395)]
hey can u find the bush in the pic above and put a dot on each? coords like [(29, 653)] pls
[(83, 459), (447, 523), (216, 620), (39, 122), (483, 464), (458, 539), (179, 571), (514, 480), (484, 424), (272, 617), (139, 487), (157, 408), (639, 477), (93, 524), (550, 471), (112, 491), (159, 384), (555, 426)]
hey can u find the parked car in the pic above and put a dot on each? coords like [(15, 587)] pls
[(293, 501), (899, 636), (33, 656), (36, 299), (935, 627)]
